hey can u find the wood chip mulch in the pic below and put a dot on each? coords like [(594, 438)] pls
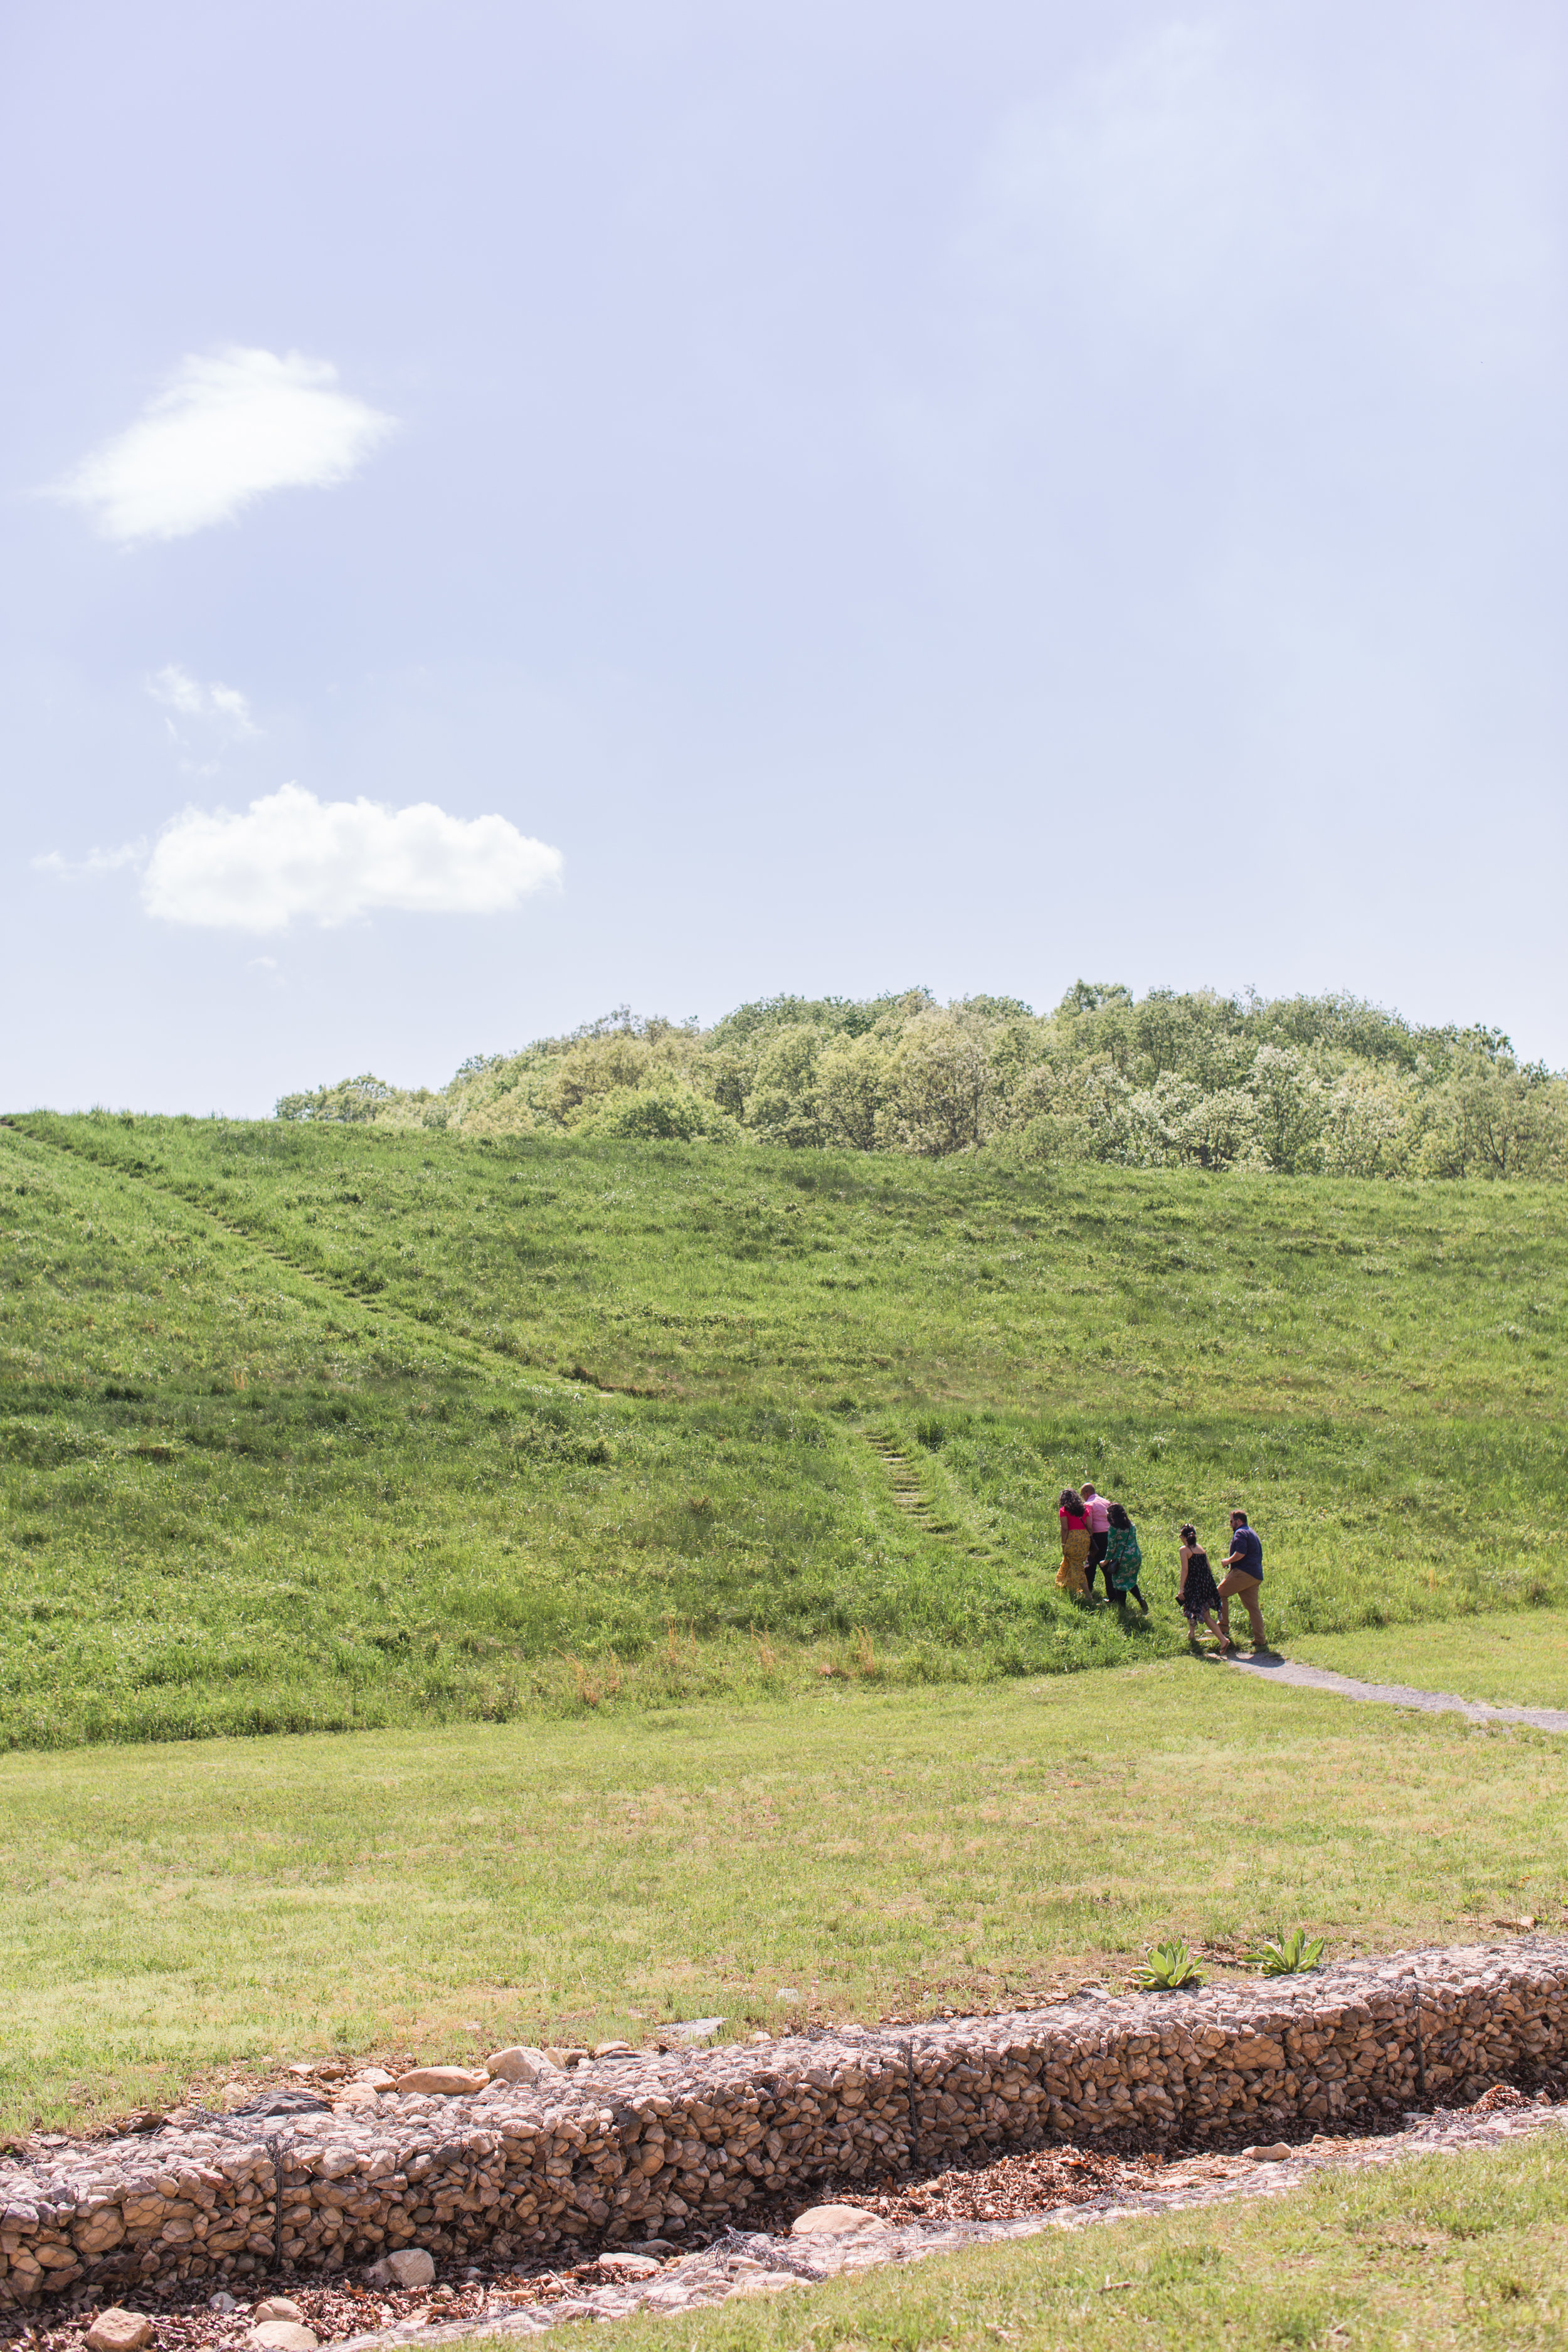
[(1031, 2182)]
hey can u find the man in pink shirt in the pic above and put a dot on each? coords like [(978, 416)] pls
[(1099, 1511)]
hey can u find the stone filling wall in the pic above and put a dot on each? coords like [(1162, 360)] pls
[(646, 2146)]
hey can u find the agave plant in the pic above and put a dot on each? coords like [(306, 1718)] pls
[(1166, 1967), (1298, 1953)]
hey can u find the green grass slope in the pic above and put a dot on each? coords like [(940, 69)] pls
[(306, 1427)]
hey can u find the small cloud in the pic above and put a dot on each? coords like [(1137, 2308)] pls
[(172, 687), (177, 690), (262, 963), (96, 861), (228, 427), (291, 856), (228, 703)]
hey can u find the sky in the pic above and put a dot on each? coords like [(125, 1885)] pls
[(516, 510)]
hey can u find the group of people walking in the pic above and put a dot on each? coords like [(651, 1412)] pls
[(1098, 1539)]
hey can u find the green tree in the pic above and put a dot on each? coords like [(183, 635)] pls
[(853, 1077), (785, 1104)]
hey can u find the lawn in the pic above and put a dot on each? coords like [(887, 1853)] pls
[(331, 1428), (1468, 2252), (177, 1912)]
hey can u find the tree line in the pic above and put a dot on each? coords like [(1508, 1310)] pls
[(1289, 1084)]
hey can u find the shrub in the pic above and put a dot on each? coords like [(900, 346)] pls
[(667, 1113)]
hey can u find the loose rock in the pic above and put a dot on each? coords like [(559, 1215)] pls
[(521, 2063), (285, 2336), (116, 2330), (410, 2266), (443, 2082), (834, 2222)]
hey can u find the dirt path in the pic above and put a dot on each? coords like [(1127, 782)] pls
[(1281, 1670)]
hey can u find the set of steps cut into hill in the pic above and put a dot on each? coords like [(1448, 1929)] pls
[(910, 1499)]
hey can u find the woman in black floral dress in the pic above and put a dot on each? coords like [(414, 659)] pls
[(1197, 1594)]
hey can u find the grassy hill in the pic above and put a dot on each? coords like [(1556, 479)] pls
[(306, 1425)]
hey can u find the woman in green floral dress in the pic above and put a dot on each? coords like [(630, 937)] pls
[(1123, 1558)]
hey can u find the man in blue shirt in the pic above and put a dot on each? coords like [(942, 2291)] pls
[(1243, 1575)]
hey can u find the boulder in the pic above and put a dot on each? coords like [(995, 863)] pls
[(834, 2222), (519, 2063), (410, 2266), (284, 2335), (629, 2266), (278, 2307), (115, 2330), (443, 2082)]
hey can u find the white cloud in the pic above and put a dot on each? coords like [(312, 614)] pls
[(177, 690), (228, 427), (292, 856)]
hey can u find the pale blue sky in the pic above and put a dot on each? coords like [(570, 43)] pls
[(851, 494)]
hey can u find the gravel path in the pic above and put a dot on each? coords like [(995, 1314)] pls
[(1281, 1670)]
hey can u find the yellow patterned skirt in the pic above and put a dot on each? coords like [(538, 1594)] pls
[(1072, 1576)]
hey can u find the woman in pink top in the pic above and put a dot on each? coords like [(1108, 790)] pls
[(1098, 1512)]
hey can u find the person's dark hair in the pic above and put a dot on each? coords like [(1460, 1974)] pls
[(1238, 1518), (1188, 1533), (1069, 1499), (1117, 1513)]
